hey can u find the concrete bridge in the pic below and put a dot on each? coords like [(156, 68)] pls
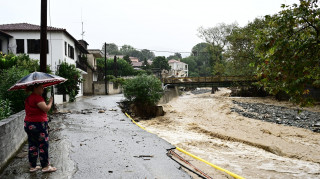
[(213, 81)]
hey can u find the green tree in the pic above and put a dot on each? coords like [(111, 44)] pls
[(147, 54), (202, 55), (289, 51), (127, 49), (143, 90), (176, 56), (73, 76), (127, 59), (217, 38), (160, 63), (192, 65), (112, 49), (124, 68), (146, 65), (21, 61), (240, 54), (5, 109), (8, 78)]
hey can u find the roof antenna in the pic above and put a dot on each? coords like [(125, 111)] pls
[(82, 32)]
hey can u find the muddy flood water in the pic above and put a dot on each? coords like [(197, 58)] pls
[(208, 126)]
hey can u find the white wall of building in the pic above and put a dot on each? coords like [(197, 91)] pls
[(4, 44), (178, 69), (56, 45)]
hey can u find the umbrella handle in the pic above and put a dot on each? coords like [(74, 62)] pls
[(52, 93)]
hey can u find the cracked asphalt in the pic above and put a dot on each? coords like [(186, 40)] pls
[(92, 138)]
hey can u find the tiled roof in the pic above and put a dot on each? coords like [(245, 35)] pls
[(5, 34), (175, 61), (26, 27), (137, 64)]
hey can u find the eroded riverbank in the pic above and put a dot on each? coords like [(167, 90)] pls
[(205, 125)]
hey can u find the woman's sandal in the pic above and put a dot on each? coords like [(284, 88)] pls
[(49, 169), (35, 169)]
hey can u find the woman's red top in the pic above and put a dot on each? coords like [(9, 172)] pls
[(33, 112)]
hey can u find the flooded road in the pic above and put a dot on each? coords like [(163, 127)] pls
[(205, 125), (92, 138)]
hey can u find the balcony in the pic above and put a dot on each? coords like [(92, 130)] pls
[(82, 63)]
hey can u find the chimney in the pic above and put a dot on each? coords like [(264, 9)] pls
[(84, 44)]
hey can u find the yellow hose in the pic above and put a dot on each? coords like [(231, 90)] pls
[(214, 166), (137, 123), (191, 155)]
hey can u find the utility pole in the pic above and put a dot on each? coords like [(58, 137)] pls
[(43, 40), (115, 67), (105, 67), (43, 37)]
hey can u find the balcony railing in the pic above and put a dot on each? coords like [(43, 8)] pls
[(82, 63)]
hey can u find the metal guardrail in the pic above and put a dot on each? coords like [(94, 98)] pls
[(218, 81), (212, 79)]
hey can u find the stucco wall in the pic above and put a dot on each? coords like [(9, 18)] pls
[(87, 84), (4, 44), (12, 136), (99, 88)]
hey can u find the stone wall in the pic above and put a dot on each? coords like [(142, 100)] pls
[(99, 88), (12, 136)]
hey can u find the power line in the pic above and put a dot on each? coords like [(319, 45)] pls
[(161, 51)]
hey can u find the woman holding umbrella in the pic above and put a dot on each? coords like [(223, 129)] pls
[(36, 120), (36, 126)]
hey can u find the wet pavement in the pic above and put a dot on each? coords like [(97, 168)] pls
[(92, 138)]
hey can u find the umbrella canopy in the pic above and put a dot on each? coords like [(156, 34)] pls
[(37, 78)]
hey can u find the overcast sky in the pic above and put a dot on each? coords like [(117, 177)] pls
[(168, 25)]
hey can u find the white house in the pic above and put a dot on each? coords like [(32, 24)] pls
[(178, 68), (24, 38)]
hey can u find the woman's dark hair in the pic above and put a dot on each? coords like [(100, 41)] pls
[(32, 87)]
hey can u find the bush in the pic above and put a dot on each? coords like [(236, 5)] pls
[(143, 90), (8, 78), (21, 61), (5, 109), (71, 86)]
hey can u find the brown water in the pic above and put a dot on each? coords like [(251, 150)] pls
[(205, 126)]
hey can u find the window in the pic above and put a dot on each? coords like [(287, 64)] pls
[(70, 51), (34, 46), (20, 45), (65, 49), (115, 85)]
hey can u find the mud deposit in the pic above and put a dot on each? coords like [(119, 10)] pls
[(208, 126)]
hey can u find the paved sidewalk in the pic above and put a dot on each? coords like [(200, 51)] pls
[(94, 139)]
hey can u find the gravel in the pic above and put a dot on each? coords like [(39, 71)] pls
[(280, 115)]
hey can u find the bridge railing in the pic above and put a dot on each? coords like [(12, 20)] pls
[(211, 79)]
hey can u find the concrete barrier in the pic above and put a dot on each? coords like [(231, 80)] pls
[(12, 136)]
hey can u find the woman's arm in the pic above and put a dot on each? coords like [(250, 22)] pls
[(44, 107)]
